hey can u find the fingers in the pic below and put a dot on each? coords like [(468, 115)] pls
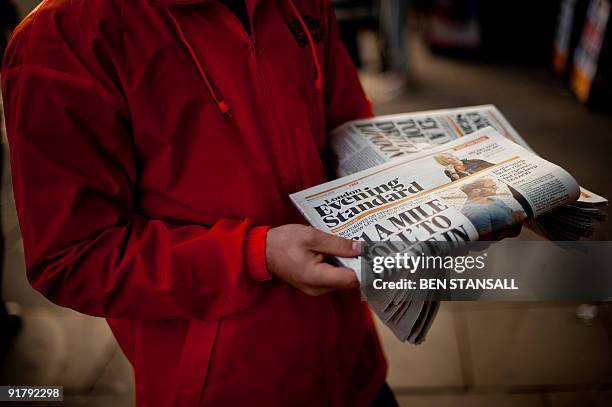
[(334, 245), (325, 277)]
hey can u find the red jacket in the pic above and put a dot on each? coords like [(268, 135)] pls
[(152, 146)]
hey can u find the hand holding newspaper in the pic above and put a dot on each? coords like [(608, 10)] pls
[(480, 186)]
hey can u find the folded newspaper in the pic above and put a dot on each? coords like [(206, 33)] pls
[(450, 176)]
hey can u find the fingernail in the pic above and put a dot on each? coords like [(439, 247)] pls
[(357, 246)]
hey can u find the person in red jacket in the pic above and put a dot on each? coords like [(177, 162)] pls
[(154, 144)]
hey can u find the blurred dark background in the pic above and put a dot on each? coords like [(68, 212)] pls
[(547, 66)]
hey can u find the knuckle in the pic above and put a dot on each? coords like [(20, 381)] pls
[(309, 236), (313, 235)]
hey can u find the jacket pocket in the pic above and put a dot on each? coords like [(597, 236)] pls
[(195, 362)]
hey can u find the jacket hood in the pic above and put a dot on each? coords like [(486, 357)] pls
[(221, 104)]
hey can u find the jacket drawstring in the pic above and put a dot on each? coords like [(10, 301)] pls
[(223, 107), (313, 49)]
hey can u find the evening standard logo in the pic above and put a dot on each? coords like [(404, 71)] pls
[(351, 204)]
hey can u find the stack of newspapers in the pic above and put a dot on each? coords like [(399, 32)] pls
[(448, 176)]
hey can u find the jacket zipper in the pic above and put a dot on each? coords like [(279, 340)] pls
[(263, 84), (272, 109)]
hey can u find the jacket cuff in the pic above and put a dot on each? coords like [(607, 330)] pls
[(255, 253)]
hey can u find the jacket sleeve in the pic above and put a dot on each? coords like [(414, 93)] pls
[(74, 176), (345, 99)]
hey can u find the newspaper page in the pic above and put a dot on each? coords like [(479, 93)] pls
[(362, 144), (475, 187)]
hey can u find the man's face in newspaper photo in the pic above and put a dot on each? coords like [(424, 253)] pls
[(480, 189), (488, 188)]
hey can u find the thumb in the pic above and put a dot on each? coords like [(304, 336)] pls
[(335, 246), (327, 276)]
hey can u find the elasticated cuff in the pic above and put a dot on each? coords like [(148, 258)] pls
[(255, 253)]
